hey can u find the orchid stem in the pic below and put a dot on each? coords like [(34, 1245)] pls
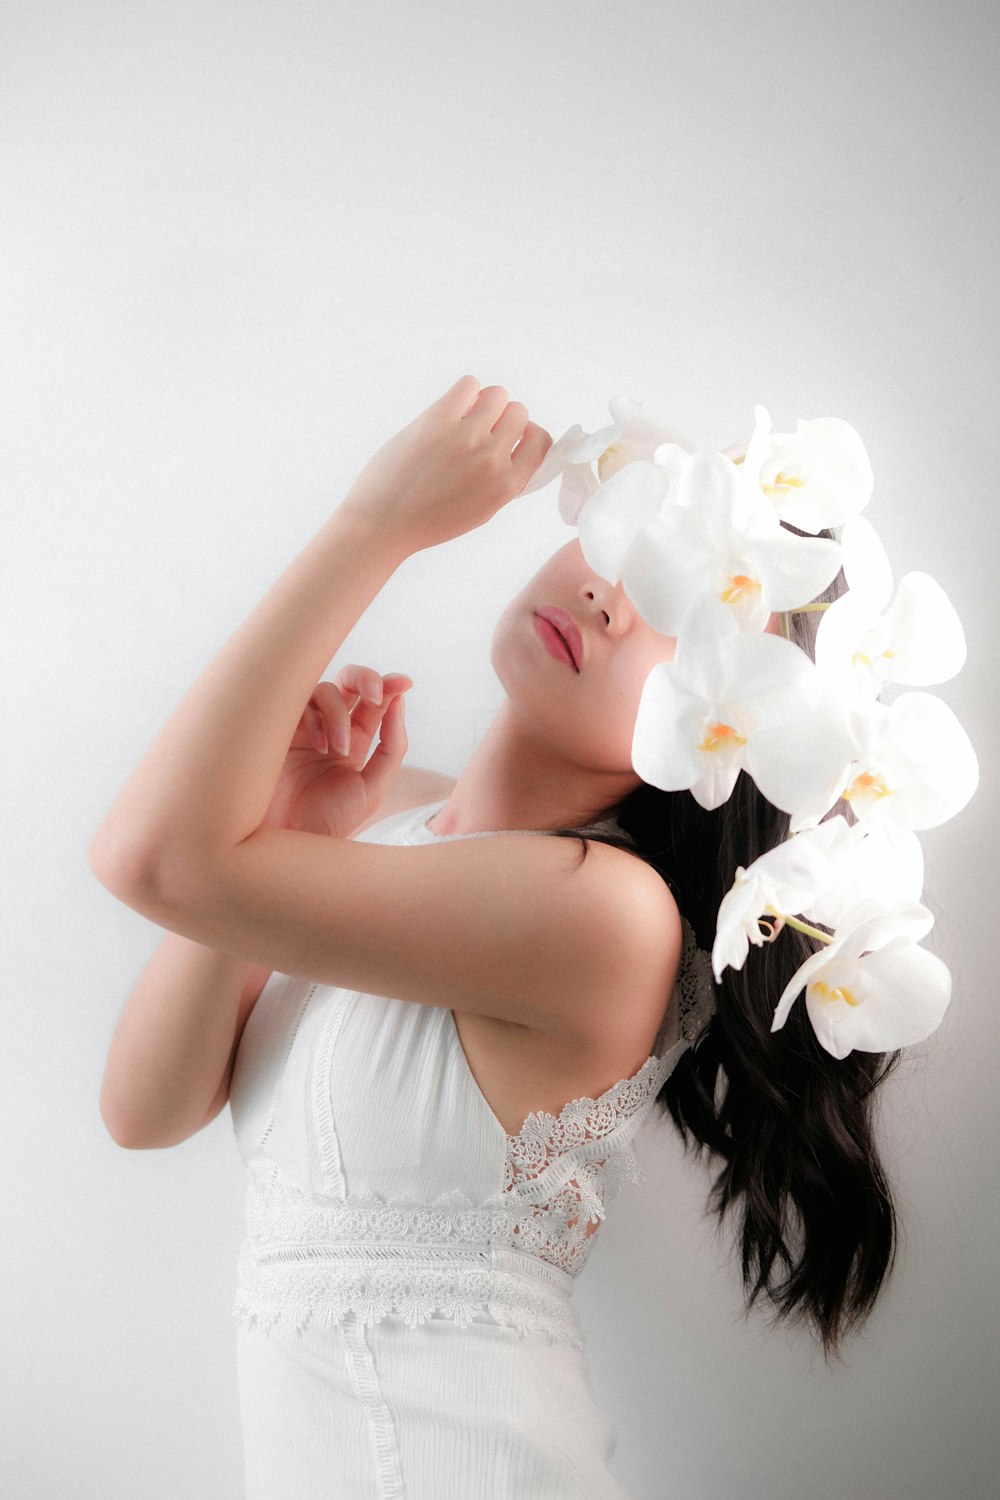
[(803, 607), (813, 932)]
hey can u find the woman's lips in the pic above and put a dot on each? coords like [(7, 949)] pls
[(552, 640), (567, 628)]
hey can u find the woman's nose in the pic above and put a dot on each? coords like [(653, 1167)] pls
[(611, 601)]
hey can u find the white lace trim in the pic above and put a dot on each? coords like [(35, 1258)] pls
[(695, 987), (564, 1168), (512, 1259), (308, 1257)]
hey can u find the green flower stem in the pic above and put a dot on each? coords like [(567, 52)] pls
[(803, 607), (813, 932)]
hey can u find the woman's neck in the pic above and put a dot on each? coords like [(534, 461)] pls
[(515, 780)]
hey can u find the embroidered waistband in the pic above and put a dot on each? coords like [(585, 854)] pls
[(311, 1257)]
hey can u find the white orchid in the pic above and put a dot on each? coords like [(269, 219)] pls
[(781, 881), (681, 526), (699, 714), (631, 435), (817, 874), (816, 477), (872, 988), (863, 860), (863, 642), (911, 763), (864, 884), (695, 538)]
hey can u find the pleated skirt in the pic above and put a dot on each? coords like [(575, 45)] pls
[(388, 1412)]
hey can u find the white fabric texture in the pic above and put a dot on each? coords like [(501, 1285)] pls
[(405, 1323)]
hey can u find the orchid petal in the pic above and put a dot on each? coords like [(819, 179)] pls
[(710, 484), (901, 992), (664, 739), (868, 925), (592, 444), (876, 860), (794, 569), (817, 477), (700, 655), (915, 765), (555, 460), (867, 570), (765, 672), (714, 784), (672, 456), (848, 645), (578, 484), (928, 642), (782, 880), (800, 762), (616, 511), (664, 567)]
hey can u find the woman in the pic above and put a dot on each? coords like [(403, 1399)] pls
[(441, 1032)]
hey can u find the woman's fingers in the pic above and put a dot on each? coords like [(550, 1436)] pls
[(317, 730), (347, 708), (488, 406), (383, 765), (509, 428), (530, 451)]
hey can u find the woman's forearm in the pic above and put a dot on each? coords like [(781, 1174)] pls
[(173, 1042), (206, 781)]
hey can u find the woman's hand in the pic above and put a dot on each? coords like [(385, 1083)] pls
[(323, 790), (452, 468)]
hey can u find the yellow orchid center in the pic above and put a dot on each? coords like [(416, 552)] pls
[(867, 784), (719, 735), (738, 584), (821, 988), (606, 458), (859, 656), (783, 482)]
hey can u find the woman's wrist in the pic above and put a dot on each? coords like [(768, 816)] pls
[(372, 520)]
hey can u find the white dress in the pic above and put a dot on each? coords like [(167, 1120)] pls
[(405, 1324)]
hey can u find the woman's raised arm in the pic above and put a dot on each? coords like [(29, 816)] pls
[(175, 1042)]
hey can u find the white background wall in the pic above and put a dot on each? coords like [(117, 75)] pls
[(242, 245)]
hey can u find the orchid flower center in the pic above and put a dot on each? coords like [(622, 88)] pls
[(821, 988), (859, 656), (606, 458), (737, 585), (720, 737), (867, 784), (782, 482)]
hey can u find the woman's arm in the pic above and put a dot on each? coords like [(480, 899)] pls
[(171, 1057), (208, 778), (175, 1043), (205, 784)]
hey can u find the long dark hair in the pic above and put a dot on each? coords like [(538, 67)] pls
[(793, 1125)]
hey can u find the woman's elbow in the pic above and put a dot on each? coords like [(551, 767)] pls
[(134, 1134)]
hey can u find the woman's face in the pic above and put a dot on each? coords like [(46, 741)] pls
[(588, 711)]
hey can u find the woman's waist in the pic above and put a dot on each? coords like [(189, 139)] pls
[(290, 1280), (285, 1225)]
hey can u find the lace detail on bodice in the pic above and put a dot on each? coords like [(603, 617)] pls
[(562, 1180), (317, 1257), (512, 1258), (695, 988)]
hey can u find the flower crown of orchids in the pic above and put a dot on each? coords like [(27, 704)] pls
[(695, 538)]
